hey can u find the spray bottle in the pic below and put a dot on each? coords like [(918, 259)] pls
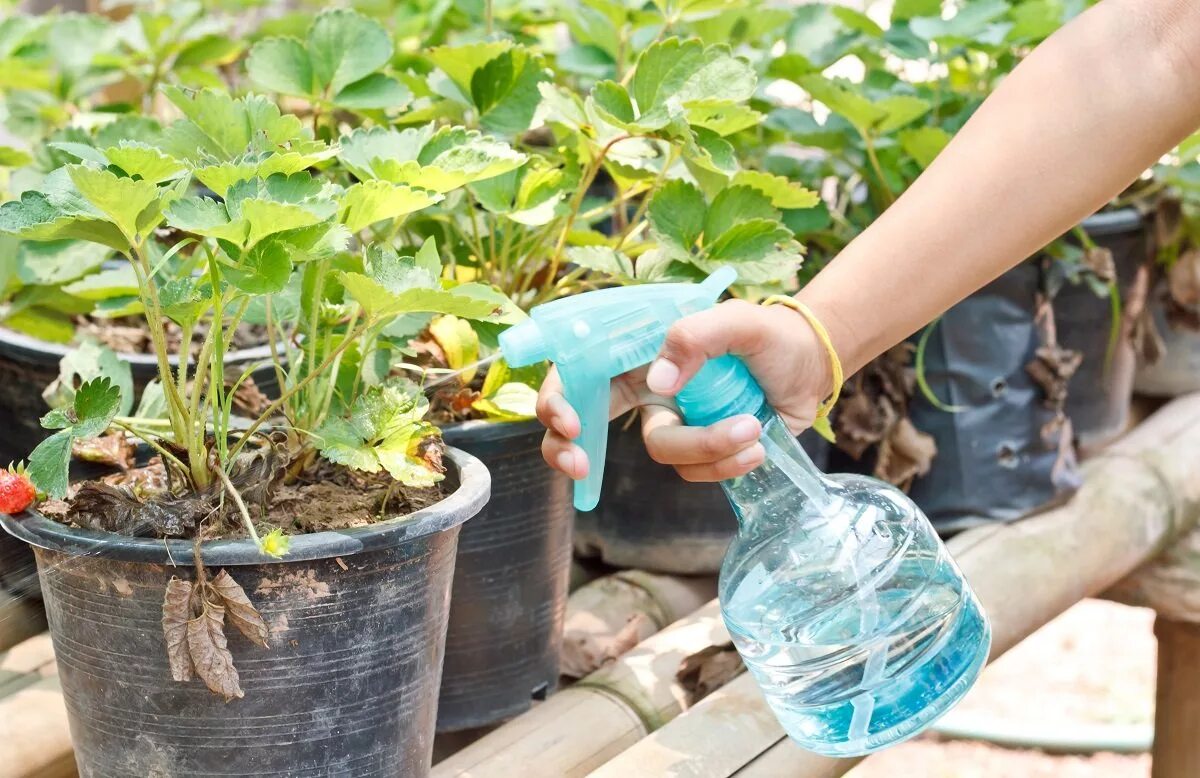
[(838, 594)]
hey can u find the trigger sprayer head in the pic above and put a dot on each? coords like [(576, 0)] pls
[(596, 336)]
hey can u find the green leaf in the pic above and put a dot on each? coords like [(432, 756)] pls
[(903, 10), (461, 62), (614, 104), (14, 157), (438, 161), (971, 20), (211, 49), (735, 205), (222, 128), (924, 143), (899, 111), (341, 444), (51, 263), (512, 402), (603, 259), (345, 46), (58, 214), (262, 269), (376, 91), (677, 213), (122, 200), (723, 118), (379, 302), (505, 91), (281, 65), (368, 202), (116, 282), (96, 403), (747, 240), (840, 99), (687, 72), (144, 161), (783, 194), (49, 463)]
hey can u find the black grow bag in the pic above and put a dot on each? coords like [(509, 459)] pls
[(348, 687), (651, 519), (994, 462), (510, 582), (1098, 398)]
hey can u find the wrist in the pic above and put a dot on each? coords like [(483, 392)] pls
[(843, 336)]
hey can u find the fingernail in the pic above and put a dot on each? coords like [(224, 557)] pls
[(662, 376), (744, 431), (566, 462), (750, 456)]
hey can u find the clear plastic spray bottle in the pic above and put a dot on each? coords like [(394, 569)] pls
[(838, 594)]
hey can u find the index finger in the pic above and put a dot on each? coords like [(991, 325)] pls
[(553, 410)]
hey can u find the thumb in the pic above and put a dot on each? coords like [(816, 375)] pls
[(733, 327)]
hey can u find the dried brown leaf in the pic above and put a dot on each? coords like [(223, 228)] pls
[(1183, 278), (1100, 261), (585, 652), (177, 613), (1168, 221), (707, 670), (247, 398), (110, 449), (1052, 368), (241, 613), (904, 454), (862, 422), (210, 653)]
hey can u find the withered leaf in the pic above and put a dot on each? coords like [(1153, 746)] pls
[(241, 613), (117, 509), (176, 615), (707, 670), (1183, 279), (1052, 368), (247, 398), (585, 652), (113, 448), (1168, 221), (1100, 261), (904, 454), (862, 422), (210, 653), (430, 451)]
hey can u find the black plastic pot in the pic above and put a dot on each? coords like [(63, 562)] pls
[(29, 365), (510, 582), (994, 462), (651, 519), (347, 688), (1098, 395)]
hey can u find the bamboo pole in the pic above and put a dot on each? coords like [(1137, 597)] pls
[(610, 615), (585, 725), (1136, 498), (1177, 709), (34, 733)]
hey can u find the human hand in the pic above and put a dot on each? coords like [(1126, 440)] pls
[(776, 343)]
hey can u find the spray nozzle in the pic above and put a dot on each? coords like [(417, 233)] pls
[(596, 336)]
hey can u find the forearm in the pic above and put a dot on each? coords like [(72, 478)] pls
[(1071, 127)]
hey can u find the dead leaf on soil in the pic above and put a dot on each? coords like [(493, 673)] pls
[(905, 453), (247, 398), (862, 422), (113, 448), (242, 614), (210, 652), (707, 670), (116, 509), (176, 615), (584, 653)]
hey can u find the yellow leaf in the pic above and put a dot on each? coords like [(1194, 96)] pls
[(460, 344)]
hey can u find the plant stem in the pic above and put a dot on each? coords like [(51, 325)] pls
[(241, 506), (147, 437), (280, 377), (283, 398), (878, 168), (576, 201)]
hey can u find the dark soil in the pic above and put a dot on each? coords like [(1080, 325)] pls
[(131, 335), (143, 502)]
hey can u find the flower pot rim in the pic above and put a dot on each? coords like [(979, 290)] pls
[(1127, 219), (467, 500), (18, 345), (480, 430)]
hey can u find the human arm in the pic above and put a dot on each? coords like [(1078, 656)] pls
[(1080, 119)]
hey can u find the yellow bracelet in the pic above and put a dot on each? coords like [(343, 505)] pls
[(821, 424)]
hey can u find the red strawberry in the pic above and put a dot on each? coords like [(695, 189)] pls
[(16, 491)]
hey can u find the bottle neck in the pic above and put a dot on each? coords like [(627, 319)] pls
[(787, 469)]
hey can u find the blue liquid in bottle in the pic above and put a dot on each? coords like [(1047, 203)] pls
[(844, 604)]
